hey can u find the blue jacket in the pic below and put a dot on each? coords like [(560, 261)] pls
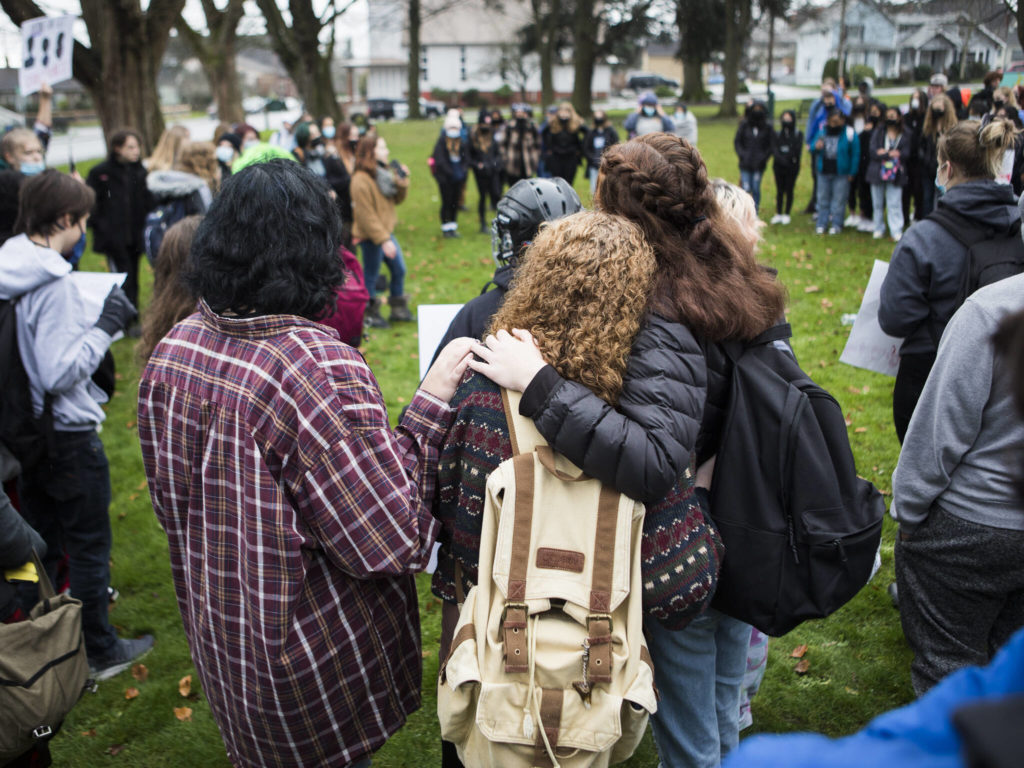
[(816, 116), (848, 158), (920, 735)]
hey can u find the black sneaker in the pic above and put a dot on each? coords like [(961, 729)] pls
[(123, 654)]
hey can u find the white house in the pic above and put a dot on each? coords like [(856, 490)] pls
[(891, 43)]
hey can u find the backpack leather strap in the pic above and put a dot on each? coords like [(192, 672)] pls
[(513, 622), (599, 623), (550, 722)]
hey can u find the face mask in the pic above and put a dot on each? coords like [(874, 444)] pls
[(352, 144), (998, 103), (875, 118), (858, 124), (649, 111), (250, 144), (938, 111), (892, 123), (757, 117), (329, 132), (563, 120), (833, 130), (939, 186), (915, 103), (452, 133), (521, 122), (31, 169), (598, 121), (787, 125), (75, 254), (224, 154)]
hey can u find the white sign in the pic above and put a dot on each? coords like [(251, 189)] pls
[(869, 346), (46, 47), (434, 320), (93, 288)]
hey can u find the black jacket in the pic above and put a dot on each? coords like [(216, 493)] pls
[(786, 149), (564, 145), (122, 202), (475, 316), (590, 149), (444, 168), (10, 186), (338, 179), (17, 540), (643, 447), (753, 145), (876, 161), (487, 160)]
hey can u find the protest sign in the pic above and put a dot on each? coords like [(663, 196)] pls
[(47, 44), (93, 288), (434, 320), (869, 346)]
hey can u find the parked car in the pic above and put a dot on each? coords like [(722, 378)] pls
[(430, 108), (387, 109), (649, 82)]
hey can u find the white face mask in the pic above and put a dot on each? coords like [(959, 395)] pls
[(858, 124), (225, 154), (915, 103)]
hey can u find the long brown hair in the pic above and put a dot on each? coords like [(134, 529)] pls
[(934, 124), (708, 277), (200, 158), (580, 289), (366, 154), (168, 149), (172, 301)]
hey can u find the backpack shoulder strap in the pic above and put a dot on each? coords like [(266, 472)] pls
[(521, 430), (966, 232), (778, 332)]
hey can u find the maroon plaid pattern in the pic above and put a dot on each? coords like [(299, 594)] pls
[(295, 518)]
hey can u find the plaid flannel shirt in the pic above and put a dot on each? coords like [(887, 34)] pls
[(295, 518)]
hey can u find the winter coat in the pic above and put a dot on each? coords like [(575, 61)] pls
[(450, 166), (122, 202), (928, 157), (686, 126), (753, 145), (170, 186), (596, 142), (59, 347), (373, 215), (816, 116), (485, 157), (927, 265), (17, 540), (337, 177), (639, 124), (876, 162), (522, 149), (848, 156), (563, 146), (10, 186), (787, 147)]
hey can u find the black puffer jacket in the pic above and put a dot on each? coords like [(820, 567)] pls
[(17, 540), (642, 448)]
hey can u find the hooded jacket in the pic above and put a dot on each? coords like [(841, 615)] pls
[(168, 186), (788, 145), (59, 348), (875, 161), (928, 263), (122, 202), (754, 138)]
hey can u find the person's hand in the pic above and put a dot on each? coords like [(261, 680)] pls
[(389, 249), (45, 91), (510, 360), (704, 473), (118, 312), (880, 151), (819, 144), (447, 371), (894, 153), (77, 177), (405, 169)]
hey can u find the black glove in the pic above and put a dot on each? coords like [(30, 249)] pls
[(117, 312)]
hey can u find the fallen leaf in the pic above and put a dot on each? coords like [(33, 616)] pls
[(853, 390), (131, 693), (133, 497), (798, 652), (185, 685), (427, 654), (858, 430), (826, 304), (141, 486), (183, 713), (811, 289), (90, 732), (115, 749), (852, 692), (122, 515), (140, 672), (848, 420), (802, 666), (130, 424)]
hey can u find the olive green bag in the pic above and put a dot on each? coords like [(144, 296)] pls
[(43, 669)]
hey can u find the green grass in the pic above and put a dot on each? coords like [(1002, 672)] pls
[(859, 663)]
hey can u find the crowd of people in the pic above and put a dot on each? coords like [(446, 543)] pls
[(296, 515)]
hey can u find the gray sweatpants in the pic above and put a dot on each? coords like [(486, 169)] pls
[(961, 588)]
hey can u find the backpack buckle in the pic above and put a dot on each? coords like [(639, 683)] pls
[(514, 617), (42, 732), (598, 649)]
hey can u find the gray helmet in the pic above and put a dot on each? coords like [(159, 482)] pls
[(527, 205)]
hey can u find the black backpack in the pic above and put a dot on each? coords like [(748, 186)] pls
[(800, 528), (158, 221), (29, 438), (991, 255)]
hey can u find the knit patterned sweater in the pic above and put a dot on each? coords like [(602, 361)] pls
[(681, 550)]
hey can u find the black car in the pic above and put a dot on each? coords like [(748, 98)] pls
[(650, 82), (387, 109)]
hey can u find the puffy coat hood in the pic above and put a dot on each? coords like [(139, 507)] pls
[(170, 184), (24, 266), (992, 205)]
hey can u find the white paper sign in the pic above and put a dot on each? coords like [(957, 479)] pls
[(93, 287), (869, 346), (434, 320), (46, 47)]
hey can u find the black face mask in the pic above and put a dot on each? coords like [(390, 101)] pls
[(757, 117), (892, 123), (998, 103), (563, 120), (938, 111), (352, 144), (787, 125), (833, 130), (875, 118), (521, 122), (598, 121)]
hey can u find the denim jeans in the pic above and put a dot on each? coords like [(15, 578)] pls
[(699, 671), (751, 182), (592, 175), (890, 198), (373, 255), (832, 193), (68, 502)]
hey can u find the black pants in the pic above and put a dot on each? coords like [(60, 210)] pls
[(910, 379), (450, 191), (867, 207), (488, 185), (126, 260), (785, 181), (812, 206), (563, 166)]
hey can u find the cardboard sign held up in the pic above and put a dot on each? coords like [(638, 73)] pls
[(869, 346), (47, 44)]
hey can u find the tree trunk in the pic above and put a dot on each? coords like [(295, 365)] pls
[(216, 53), (771, 47), (545, 48), (585, 27), (841, 53), (227, 93), (693, 80), (965, 53), (737, 26), (413, 82)]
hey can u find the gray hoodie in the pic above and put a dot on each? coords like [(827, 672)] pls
[(928, 263), (965, 442), (171, 185), (59, 347)]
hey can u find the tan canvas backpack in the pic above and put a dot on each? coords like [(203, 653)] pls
[(548, 665)]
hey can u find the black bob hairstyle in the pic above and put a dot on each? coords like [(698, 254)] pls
[(269, 245)]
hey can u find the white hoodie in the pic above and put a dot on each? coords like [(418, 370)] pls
[(59, 348)]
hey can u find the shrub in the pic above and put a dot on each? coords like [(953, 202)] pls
[(471, 97), (831, 69), (665, 92), (858, 72), (922, 72)]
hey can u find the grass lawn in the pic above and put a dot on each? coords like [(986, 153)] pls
[(859, 663)]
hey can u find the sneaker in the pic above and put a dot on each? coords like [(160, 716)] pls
[(122, 656), (785, 218), (878, 235), (819, 230), (835, 230), (896, 236), (776, 219), (112, 595), (866, 226), (852, 220)]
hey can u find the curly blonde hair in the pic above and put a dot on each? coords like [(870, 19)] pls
[(581, 289)]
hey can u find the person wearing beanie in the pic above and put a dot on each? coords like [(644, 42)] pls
[(451, 167), (229, 148), (648, 118)]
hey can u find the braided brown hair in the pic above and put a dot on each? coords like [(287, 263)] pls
[(708, 277)]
